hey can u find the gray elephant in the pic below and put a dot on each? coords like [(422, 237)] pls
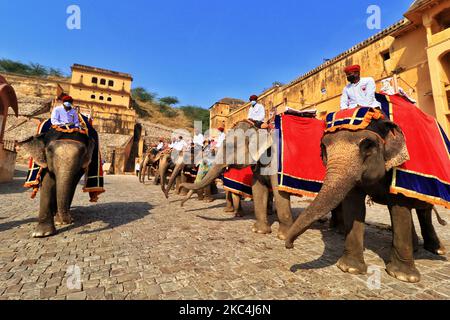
[(64, 162), (359, 164), (261, 183)]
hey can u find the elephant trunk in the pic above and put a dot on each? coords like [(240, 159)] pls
[(176, 171), (342, 174), (213, 174)]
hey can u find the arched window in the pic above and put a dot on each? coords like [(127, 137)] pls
[(111, 83), (101, 98), (94, 80), (103, 81), (93, 96), (109, 99)]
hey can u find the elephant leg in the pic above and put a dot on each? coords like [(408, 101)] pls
[(237, 208), (284, 212), (183, 191), (270, 206), (178, 185), (157, 178), (260, 199), (431, 240), (208, 196), (229, 201), (415, 238), (47, 208), (402, 264), (214, 189), (354, 213), (337, 220), (188, 196), (201, 194)]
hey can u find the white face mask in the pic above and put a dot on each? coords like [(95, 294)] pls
[(67, 104), (253, 103)]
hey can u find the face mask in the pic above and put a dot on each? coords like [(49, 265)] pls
[(253, 103), (351, 78), (67, 105)]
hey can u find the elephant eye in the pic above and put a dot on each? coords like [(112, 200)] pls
[(366, 147)]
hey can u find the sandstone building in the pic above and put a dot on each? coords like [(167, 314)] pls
[(108, 94), (415, 50)]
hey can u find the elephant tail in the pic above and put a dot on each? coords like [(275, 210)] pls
[(441, 221)]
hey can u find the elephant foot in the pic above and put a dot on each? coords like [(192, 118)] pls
[(44, 230), (63, 219), (238, 214), (352, 265), (403, 272), (283, 232), (435, 247), (261, 228)]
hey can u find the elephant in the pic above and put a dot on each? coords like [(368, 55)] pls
[(184, 163), (261, 183), (149, 165), (64, 162), (166, 166), (359, 164)]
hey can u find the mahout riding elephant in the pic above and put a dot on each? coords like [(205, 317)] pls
[(359, 164), (64, 162), (261, 183)]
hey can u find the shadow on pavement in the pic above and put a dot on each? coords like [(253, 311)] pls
[(15, 186), (14, 224), (375, 239), (112, 214)]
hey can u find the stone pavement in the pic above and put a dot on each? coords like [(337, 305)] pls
[(134, 244)]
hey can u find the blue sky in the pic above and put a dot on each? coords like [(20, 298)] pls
[(197, 50)]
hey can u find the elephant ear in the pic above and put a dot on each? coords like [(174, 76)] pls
[(395, 150), (35, 148), (259, 143)]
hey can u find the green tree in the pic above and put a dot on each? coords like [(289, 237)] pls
[(169, 101), (7, 65), (37, 69), (142, 94), (195, 113)]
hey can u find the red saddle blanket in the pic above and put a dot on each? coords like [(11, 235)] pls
[(426, 176), (300, 167), (239, 181)]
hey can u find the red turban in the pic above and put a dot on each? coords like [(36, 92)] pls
[(354, 68), (254, 98), (67, 99)]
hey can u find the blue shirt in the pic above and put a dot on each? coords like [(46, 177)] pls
[(61, 117)]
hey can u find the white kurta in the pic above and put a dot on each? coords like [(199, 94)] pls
[(360, 94), (257, 113), (221, 139), (199, 139), (180, 145)]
